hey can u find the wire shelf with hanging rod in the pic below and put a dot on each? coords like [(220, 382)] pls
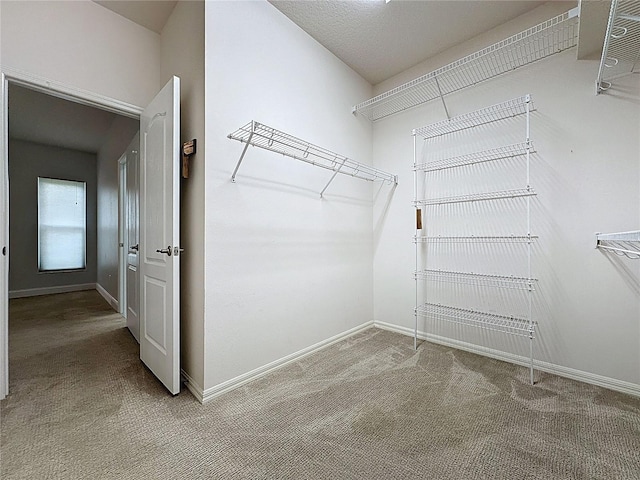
[(268, 138), (623, 243), (621, 50), (547, 38)]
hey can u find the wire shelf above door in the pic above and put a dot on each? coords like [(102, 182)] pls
[(622, 243), (621, 50), (545, 39), (268, 138)]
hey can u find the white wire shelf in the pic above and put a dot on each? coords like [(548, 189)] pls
[(478, 197), (494, 113), (623, 243), (484, 280), (476, 239), (474, 318), (268, 138), (509, 151), (621, 50), (545, 39)]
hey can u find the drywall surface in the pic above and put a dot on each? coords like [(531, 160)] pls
[(120, 135), (27, 162), (284, 268), (183, 55), (83, 45), (586, 172)]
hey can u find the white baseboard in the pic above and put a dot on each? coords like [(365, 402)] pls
[(209, 394), (572, 373), (107, 296), (195, 389), (34, 292)]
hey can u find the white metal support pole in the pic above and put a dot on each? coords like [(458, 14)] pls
[(332, 177), (442, 98), (529, 245), (244, 150), (415, 197)]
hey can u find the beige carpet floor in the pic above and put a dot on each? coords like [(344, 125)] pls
[(83, 407)]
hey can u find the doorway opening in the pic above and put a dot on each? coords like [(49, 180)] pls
[(67, 142)]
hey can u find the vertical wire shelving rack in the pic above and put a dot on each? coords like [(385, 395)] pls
[(621, 49), (509, 324)]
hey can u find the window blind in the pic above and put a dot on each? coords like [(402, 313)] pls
[(62, 224)]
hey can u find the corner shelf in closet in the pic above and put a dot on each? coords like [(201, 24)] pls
[(510, 324), (621, 50), (545, 39), (268, 138), (622, 243)]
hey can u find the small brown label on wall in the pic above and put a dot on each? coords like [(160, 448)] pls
[(419, 219)]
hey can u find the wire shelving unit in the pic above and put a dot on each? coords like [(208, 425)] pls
[(476, 239), (474, 318), (508, 151), (470, 278), (268, 138), (623, 243), (424, 275), (478, 197), (547, 38), (621, 50)]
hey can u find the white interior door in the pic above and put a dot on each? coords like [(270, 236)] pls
[(132, 242), (159, 254)]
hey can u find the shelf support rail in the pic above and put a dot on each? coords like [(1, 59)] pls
[(622, 243), (260, 135)]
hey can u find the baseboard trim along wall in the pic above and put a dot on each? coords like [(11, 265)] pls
[(579, 375), (108, 297), (209, 394), (34, 292)]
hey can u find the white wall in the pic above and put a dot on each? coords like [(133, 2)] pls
[(27, 162), (81, 44), (285, 269), (120, 134), (586, 172), (183, 55)]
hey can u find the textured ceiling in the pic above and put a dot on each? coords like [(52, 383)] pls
[(151, 14), (40, 118), (379, 40)]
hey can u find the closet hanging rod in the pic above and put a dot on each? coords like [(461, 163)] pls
[(268, 138), (545, 39)]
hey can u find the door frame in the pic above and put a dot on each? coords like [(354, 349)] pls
[(57, 89), (123, 241)]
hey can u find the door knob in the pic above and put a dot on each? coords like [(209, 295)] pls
[(167, 250), (134, 247)]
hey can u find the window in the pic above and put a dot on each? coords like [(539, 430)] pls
[(62, 224)]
